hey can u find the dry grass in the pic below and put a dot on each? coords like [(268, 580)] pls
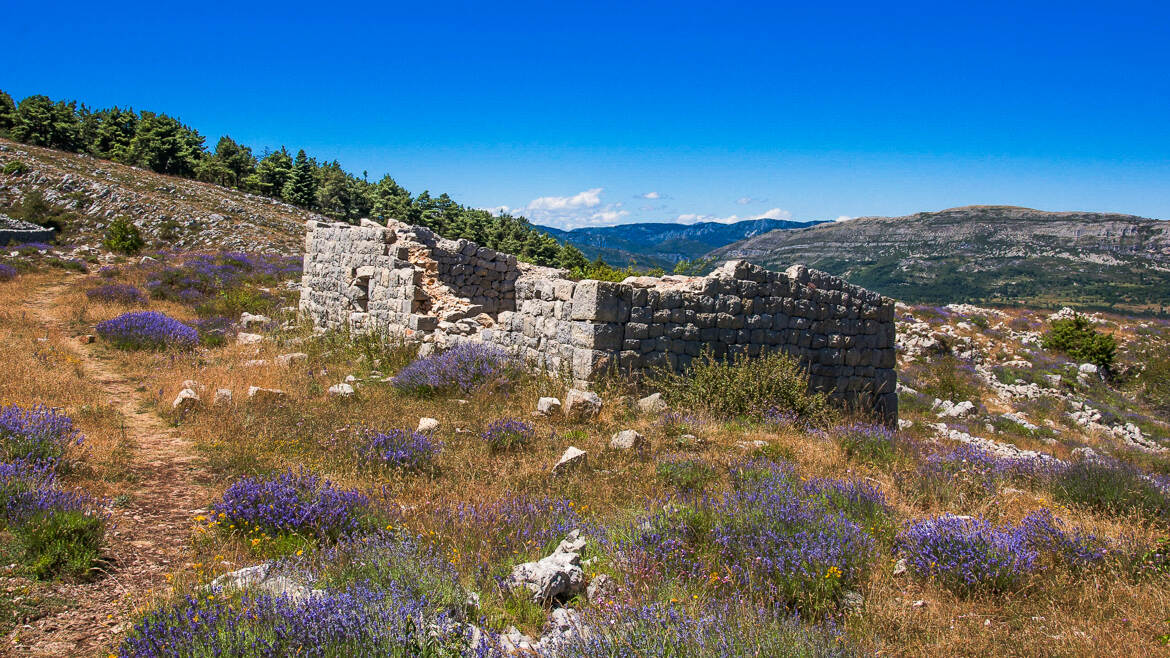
[(1098, 613)]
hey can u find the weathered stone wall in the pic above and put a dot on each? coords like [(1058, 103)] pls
[(15, 231), (404, 279)]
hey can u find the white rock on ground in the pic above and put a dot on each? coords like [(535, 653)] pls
[(222, 396), (601, 588), (557, 576), (255, 363), (652, 403), (248, 339), (427, 425), (582, 405), (564, 625), (342, 390), (260, 393), (248, 319), (186, 399), (572, 458), (627, 440), (286, 360), (263, 578), (547, 406)]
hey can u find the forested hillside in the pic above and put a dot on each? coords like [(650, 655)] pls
[(164, 144)]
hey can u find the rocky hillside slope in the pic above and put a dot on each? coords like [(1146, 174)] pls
[(171, 212), (662, 244), (988, 254)]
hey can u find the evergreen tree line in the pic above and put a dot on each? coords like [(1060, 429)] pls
[(164, 144)]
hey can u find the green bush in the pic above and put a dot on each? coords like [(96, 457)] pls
[(685, 474), (61, 544), (1112, 487), (15, 168), (748, 386), (1154, 381), (123, 237), (1077, 338)]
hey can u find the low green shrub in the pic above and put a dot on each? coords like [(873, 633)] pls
[(1077, 338), (750, 386), (123, 237), (685, 474), (61, 544), (15, 168)]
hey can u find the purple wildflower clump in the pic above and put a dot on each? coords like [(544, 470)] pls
[(703, 630), (292, 503), (355, 621), (401, 449), (36, 435), (870, 442), (215, 330), (512, 528), (1047, 534), (118, 293), (971, 471), (507, 434), (147, 330), (380, 595), (966, 555), (28, 491), (771, 538), (464, 368), (201, 276), (7, 272)]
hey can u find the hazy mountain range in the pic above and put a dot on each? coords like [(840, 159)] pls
[(663, 244)]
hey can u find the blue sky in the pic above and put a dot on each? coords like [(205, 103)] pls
[(601, 113)]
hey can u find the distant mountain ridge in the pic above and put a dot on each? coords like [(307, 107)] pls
[(988, 254), (662, 244)]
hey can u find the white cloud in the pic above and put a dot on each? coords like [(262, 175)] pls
[(776, 213), (608, 216), (651, 195), (844, 218), (692, 218), (587, 199), (745, 200)]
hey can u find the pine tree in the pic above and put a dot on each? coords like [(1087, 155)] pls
[(300, 190), (165, 145), (390, 200), (273, 172), (7, 114), (34, 121)]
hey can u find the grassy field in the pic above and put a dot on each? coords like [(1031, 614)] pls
[(683, 527)]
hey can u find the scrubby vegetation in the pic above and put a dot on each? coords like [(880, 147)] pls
[(756, 519)]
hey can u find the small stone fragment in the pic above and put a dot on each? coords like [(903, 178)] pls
[(572, 458), (627, 440)]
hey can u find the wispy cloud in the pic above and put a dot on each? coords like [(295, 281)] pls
[(745, 200), (650, 195), (587, 199), (692, 218)]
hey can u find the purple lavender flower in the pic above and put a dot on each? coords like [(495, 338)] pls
[(507, 434), (292, 502), (119, 293), (968, 554), (402, 449), (375, 596), (36, 435), (28, 491), (7, 272), (464, 367), (770, 538), (147, 330)]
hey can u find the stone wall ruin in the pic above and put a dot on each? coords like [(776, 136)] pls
[(405, 280)]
